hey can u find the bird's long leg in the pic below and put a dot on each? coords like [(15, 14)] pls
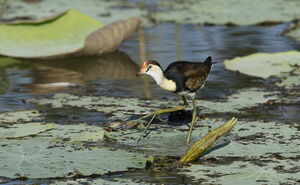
[(194, 119), (162, 111)]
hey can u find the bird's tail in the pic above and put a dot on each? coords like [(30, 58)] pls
[(208, 62)]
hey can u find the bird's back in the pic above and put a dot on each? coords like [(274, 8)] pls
[(188, 76)]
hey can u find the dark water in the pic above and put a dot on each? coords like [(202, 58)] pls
[(114, 74)]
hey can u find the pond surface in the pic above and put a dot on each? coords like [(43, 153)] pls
[(114, 74)]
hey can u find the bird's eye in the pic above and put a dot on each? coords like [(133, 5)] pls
[(149, 67)]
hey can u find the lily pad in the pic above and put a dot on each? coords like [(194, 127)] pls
[(2, 5), (24, 130), (39, 158), (229, 12), (76, 133), (72, 33), (166, 140), (97, 181), (19, 116), (101, 10), (121, 108), (55, 154), (265, 65)]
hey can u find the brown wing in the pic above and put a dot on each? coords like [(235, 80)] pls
[(196, 75)]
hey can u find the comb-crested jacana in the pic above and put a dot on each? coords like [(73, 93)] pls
[(182, 77)]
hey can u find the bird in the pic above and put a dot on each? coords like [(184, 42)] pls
[(184, 78)]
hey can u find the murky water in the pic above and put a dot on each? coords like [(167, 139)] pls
[(114, 74)]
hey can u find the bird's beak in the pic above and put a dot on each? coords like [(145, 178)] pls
[(139, 73), (142, 69)]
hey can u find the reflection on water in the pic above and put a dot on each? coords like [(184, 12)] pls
[(3, 81), (114, 74), (57, 75)]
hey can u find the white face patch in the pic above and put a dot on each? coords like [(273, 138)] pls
[(157, 74)]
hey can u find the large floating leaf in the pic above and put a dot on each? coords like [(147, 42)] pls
[(265, 65), (40, 158), (2, 4), (229, 12), (71, 33), (55, 154), (64, 34), (23, 130), (77, 133)]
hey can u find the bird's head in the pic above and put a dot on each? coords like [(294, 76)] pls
[(150, 67)]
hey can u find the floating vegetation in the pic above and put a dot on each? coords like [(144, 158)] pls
[(293, 31), (59, 151), (121, 108), (284, 65), (72, 33), (101, 10), (229, 12)]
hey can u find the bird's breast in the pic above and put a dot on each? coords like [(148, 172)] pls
[(168, 85)]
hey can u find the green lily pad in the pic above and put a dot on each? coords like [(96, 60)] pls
[(229, 12), (24, 130), (68, 33), (55, 154), (17, 116), (72, 33), (39, 158), (76, 133), (265, 65)]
